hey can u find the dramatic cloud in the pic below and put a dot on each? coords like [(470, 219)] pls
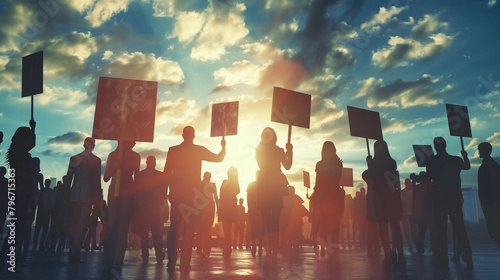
[(402, 93), (142, 66), (264, 52), (60, 96), (51, 153), (70, 138), (340, 58), (241, 72), (401, 50), (427, 26), (383, 17), (100, 11), (494, 139), (219, 26)]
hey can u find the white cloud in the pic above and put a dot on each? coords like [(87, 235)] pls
[(102, 10), (224, 27), (492, 3), (383, 17), (427, 26), (168, 8), (60, 97), (494, 139), (188, 25), (241, 72), (264, 52), (403, 49), (402, 93), (144, 67)]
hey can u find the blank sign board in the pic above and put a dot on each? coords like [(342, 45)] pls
[(422, 154), (458, 120), (291, 107), (32, 79), (307, 180), (346, 179), (364, 123), (125, 110), (224, 119)]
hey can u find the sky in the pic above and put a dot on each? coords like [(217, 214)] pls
[(403, 59)]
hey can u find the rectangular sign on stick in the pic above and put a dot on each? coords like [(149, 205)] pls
[(364, 123), (458, 120), (346, 179), (32, 76), (125, 110), (291, 107), (307, 180), (422, 154), (224, 119)]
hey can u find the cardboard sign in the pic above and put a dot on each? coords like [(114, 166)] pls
[(291, 107), (458, 120), (224, 119), (32, 77), (307, 180), (364, 123), (125, 110), (346, 179), (422, 154)]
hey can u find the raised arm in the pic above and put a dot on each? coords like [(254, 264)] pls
[(466, 162), (288, 158), (212, 157)]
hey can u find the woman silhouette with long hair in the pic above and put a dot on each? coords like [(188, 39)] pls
[(387, 200), (22, 169), (271, 187), (329, 198)]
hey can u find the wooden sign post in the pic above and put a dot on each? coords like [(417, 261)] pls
[(458, 122), (422, 154), (224, 119), (32, 77), (125, 111), (291, 108), (364, 123)]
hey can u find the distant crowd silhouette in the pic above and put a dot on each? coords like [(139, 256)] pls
[(68, 214)]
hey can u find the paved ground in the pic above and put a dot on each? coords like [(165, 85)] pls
[(301, 265)]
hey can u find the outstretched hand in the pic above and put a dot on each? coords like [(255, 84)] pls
[(368, 158), (289, 147), (223, 143)]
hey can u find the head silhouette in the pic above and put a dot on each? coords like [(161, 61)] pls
[(268, 136), (47, 183), (188, 134), (484, 149), (151, 162), (36, 164), (329, 152), (232, 173), (21, 142), (241, 201), (408, 183), (89, 143), (440, 144), (291, 190), (362, 190), (381, 150), (128, 145)]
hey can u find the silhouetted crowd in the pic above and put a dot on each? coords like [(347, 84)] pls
[(68, 212)]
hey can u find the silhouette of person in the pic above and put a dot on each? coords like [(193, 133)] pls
[(42, 217), (122, 166), (92, 224), (488, 178), (62, 216), (387, 200), (423, 211), (183, 170), (346, 222), (271, 188), (228, 203), (151, 194), (330, 198), (372, 234), (239, 231), (207, 215), (84, 175), (407, 217), (254, 217), (21, 162), (4, 186), (295, 211), (444, 172), (360, 210)]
